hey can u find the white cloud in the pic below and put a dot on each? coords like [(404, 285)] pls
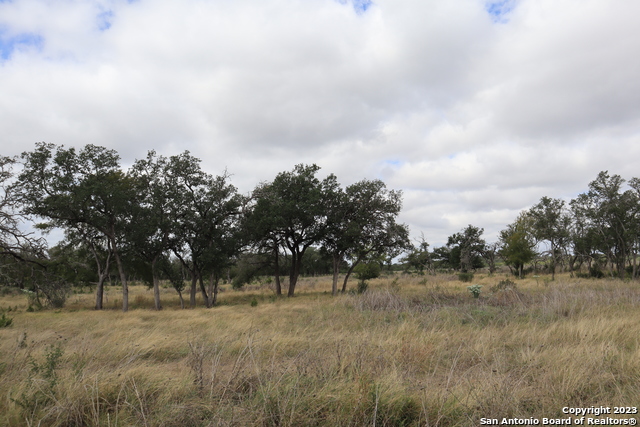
[(474, 116)]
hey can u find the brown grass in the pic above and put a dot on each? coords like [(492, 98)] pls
[(411, 351)]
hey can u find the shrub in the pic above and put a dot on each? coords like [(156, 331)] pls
[(5, 321), (475, 290), (364, 272), (465, 277), (362, 287)]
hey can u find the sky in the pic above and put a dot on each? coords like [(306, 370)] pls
[(475, 109)]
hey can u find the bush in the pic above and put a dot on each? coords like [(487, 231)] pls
[(475, 290), (364, 272), (465, 277), (5, 321), (362, 287), (367, 270)]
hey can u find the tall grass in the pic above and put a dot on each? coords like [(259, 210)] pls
[(408, 352)]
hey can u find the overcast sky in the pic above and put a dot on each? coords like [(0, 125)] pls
[(474, 108)]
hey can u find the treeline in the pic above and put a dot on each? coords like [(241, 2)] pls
[(598, 231), (166, 219)]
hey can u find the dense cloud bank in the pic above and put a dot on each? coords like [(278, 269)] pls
[(475, 109)]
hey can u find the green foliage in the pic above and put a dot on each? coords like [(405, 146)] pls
[(475, 290), (362, 287), (291, 212), (5, 321), (43, 378), (467, 248), (518, 244), (254, 302), (419, 257), (366, 271), (465, 277)]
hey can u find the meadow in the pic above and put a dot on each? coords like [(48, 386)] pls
[(410, 351)]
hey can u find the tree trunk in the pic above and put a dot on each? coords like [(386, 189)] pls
[(213, 290), (181, 300), (346, 279), (103, 273), (553, 262), (294, 272), (123, 279), (156, 285), (336, 271), (100, 291), (192, 292), (277, 266), (205, 297)]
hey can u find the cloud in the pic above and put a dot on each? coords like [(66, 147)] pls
[(474, 108)]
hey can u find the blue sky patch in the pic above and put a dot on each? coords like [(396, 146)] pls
[(393, 162), (360, 6), (21, 41), (500, 9), (104, 20)]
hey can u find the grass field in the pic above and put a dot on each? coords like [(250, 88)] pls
[(411, 351)]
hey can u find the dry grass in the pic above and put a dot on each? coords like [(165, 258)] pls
[(411, 351)]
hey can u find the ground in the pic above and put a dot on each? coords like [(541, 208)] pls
[(411, 351)]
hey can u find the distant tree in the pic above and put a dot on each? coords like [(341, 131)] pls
[(443, 258), (490, 253), (261, 228), (205, 212), (418, 257), (296, 205), (612, 214), (83, 238), (470, 246), (388, 241), (315, 263), (14, 241), (362, 224), (517, 244), (550, 222), (79, 189), (154, 231)]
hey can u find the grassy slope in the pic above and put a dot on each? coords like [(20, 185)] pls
[(407, 352)]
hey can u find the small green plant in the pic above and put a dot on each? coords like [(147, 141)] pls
[(254, 302), (362, 287), (465, 277), (364, 272), (47, 369), (43, 379), (5, 321), (33, 301), (475, 290)]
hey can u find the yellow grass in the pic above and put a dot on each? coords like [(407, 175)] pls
[(411, 351)]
